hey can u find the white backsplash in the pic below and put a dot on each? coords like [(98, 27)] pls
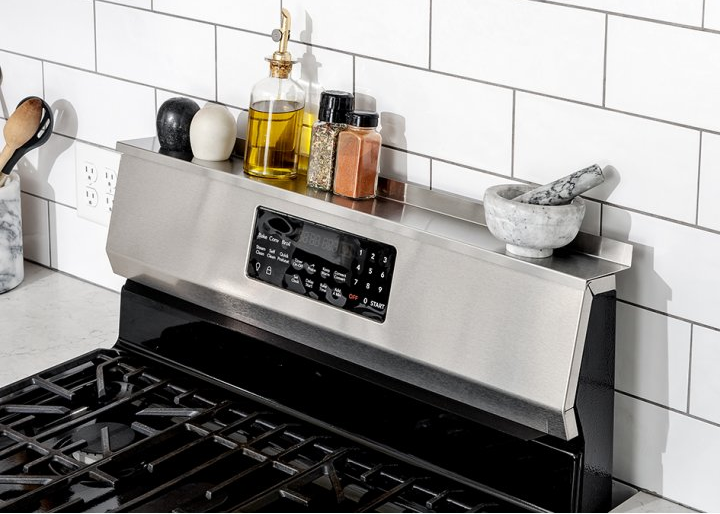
[(471, 93)]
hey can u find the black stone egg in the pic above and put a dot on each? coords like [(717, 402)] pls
[(173, 123)]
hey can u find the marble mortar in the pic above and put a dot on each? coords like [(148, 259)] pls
[(530, 230)]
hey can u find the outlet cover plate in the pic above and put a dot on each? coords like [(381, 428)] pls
[(95, 176)]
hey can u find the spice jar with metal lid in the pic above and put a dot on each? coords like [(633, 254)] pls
[(358, 149), (332, 117)]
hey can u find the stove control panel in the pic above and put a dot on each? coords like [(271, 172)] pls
[(347, 271)]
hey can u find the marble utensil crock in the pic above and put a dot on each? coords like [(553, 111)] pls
[(12, 271), (530, 230)]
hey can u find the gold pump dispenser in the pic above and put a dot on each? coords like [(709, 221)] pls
[(275, 117), (281, 62)]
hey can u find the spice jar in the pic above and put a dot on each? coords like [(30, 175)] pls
[(332, 116), (358, 149)]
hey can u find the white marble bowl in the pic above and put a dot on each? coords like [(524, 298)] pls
[(530, 230)]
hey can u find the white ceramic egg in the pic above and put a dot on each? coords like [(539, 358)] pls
[(212, 133)]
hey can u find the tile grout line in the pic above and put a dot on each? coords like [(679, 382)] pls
[(216, 63), (50, 232), (669, 315), (605, 52), (512, 140), (657, 21), (689, 379), (95, 34), (702, 20), (699, 174), (431, 174), (430, 36), (354, 65), (42, 76), (670, 409)]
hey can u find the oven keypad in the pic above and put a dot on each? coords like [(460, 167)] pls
[(328, 265)]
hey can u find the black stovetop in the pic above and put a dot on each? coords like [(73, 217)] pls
[(192, 411), (112, 431)]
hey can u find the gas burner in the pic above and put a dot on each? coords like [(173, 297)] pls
[(94, 442), (116, 390), (101, 440)]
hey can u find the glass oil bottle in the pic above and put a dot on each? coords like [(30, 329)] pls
[(276, 115)]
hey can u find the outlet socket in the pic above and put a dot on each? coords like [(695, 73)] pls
[(91, 197), (95, 177)]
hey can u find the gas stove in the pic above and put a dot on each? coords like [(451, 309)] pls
[(283, 350)]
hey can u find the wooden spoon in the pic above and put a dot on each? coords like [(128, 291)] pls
[(19, 128)]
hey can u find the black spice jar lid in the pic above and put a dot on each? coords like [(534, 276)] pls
[(367, 119), (335, 106)]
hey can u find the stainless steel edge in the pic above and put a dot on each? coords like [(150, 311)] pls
[(615, 254), (583, 320), (602, 285), (464, 320)]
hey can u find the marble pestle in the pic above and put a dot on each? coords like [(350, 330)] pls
[(563, 190)]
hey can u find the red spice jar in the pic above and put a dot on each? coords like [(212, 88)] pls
[(358, 149)]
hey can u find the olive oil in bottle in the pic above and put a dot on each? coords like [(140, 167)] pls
[(273, 139), (272, 149)]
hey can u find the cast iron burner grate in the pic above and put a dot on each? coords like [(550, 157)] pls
[(103, 433)]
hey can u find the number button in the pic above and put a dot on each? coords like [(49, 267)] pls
[(382, 274), (380, 289), (372, 256), (370, 271), (367, 285)]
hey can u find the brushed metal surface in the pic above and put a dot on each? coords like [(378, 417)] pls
[(465, 320)]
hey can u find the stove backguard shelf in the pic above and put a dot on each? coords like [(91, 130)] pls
[(497, 333)]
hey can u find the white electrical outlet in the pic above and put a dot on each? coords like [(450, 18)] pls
[(95, 177)]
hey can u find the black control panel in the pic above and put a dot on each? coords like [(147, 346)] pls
[(331, 266)]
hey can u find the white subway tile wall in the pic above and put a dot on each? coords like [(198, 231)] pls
[(651, 166), (705, 384), (708, 205), (36, 229), (667, 452), (243, 14), (665, 72), (97, 108), (674, 266), (77, 246), (524, 44), (21, 77), (471, 94), (653, 356), (405, 167), (156, 49), (712, 14), (397, 31), (686, 12), (446, 117), (56, 30)]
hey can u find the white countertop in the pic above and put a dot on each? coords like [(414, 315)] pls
[(52, 317)]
